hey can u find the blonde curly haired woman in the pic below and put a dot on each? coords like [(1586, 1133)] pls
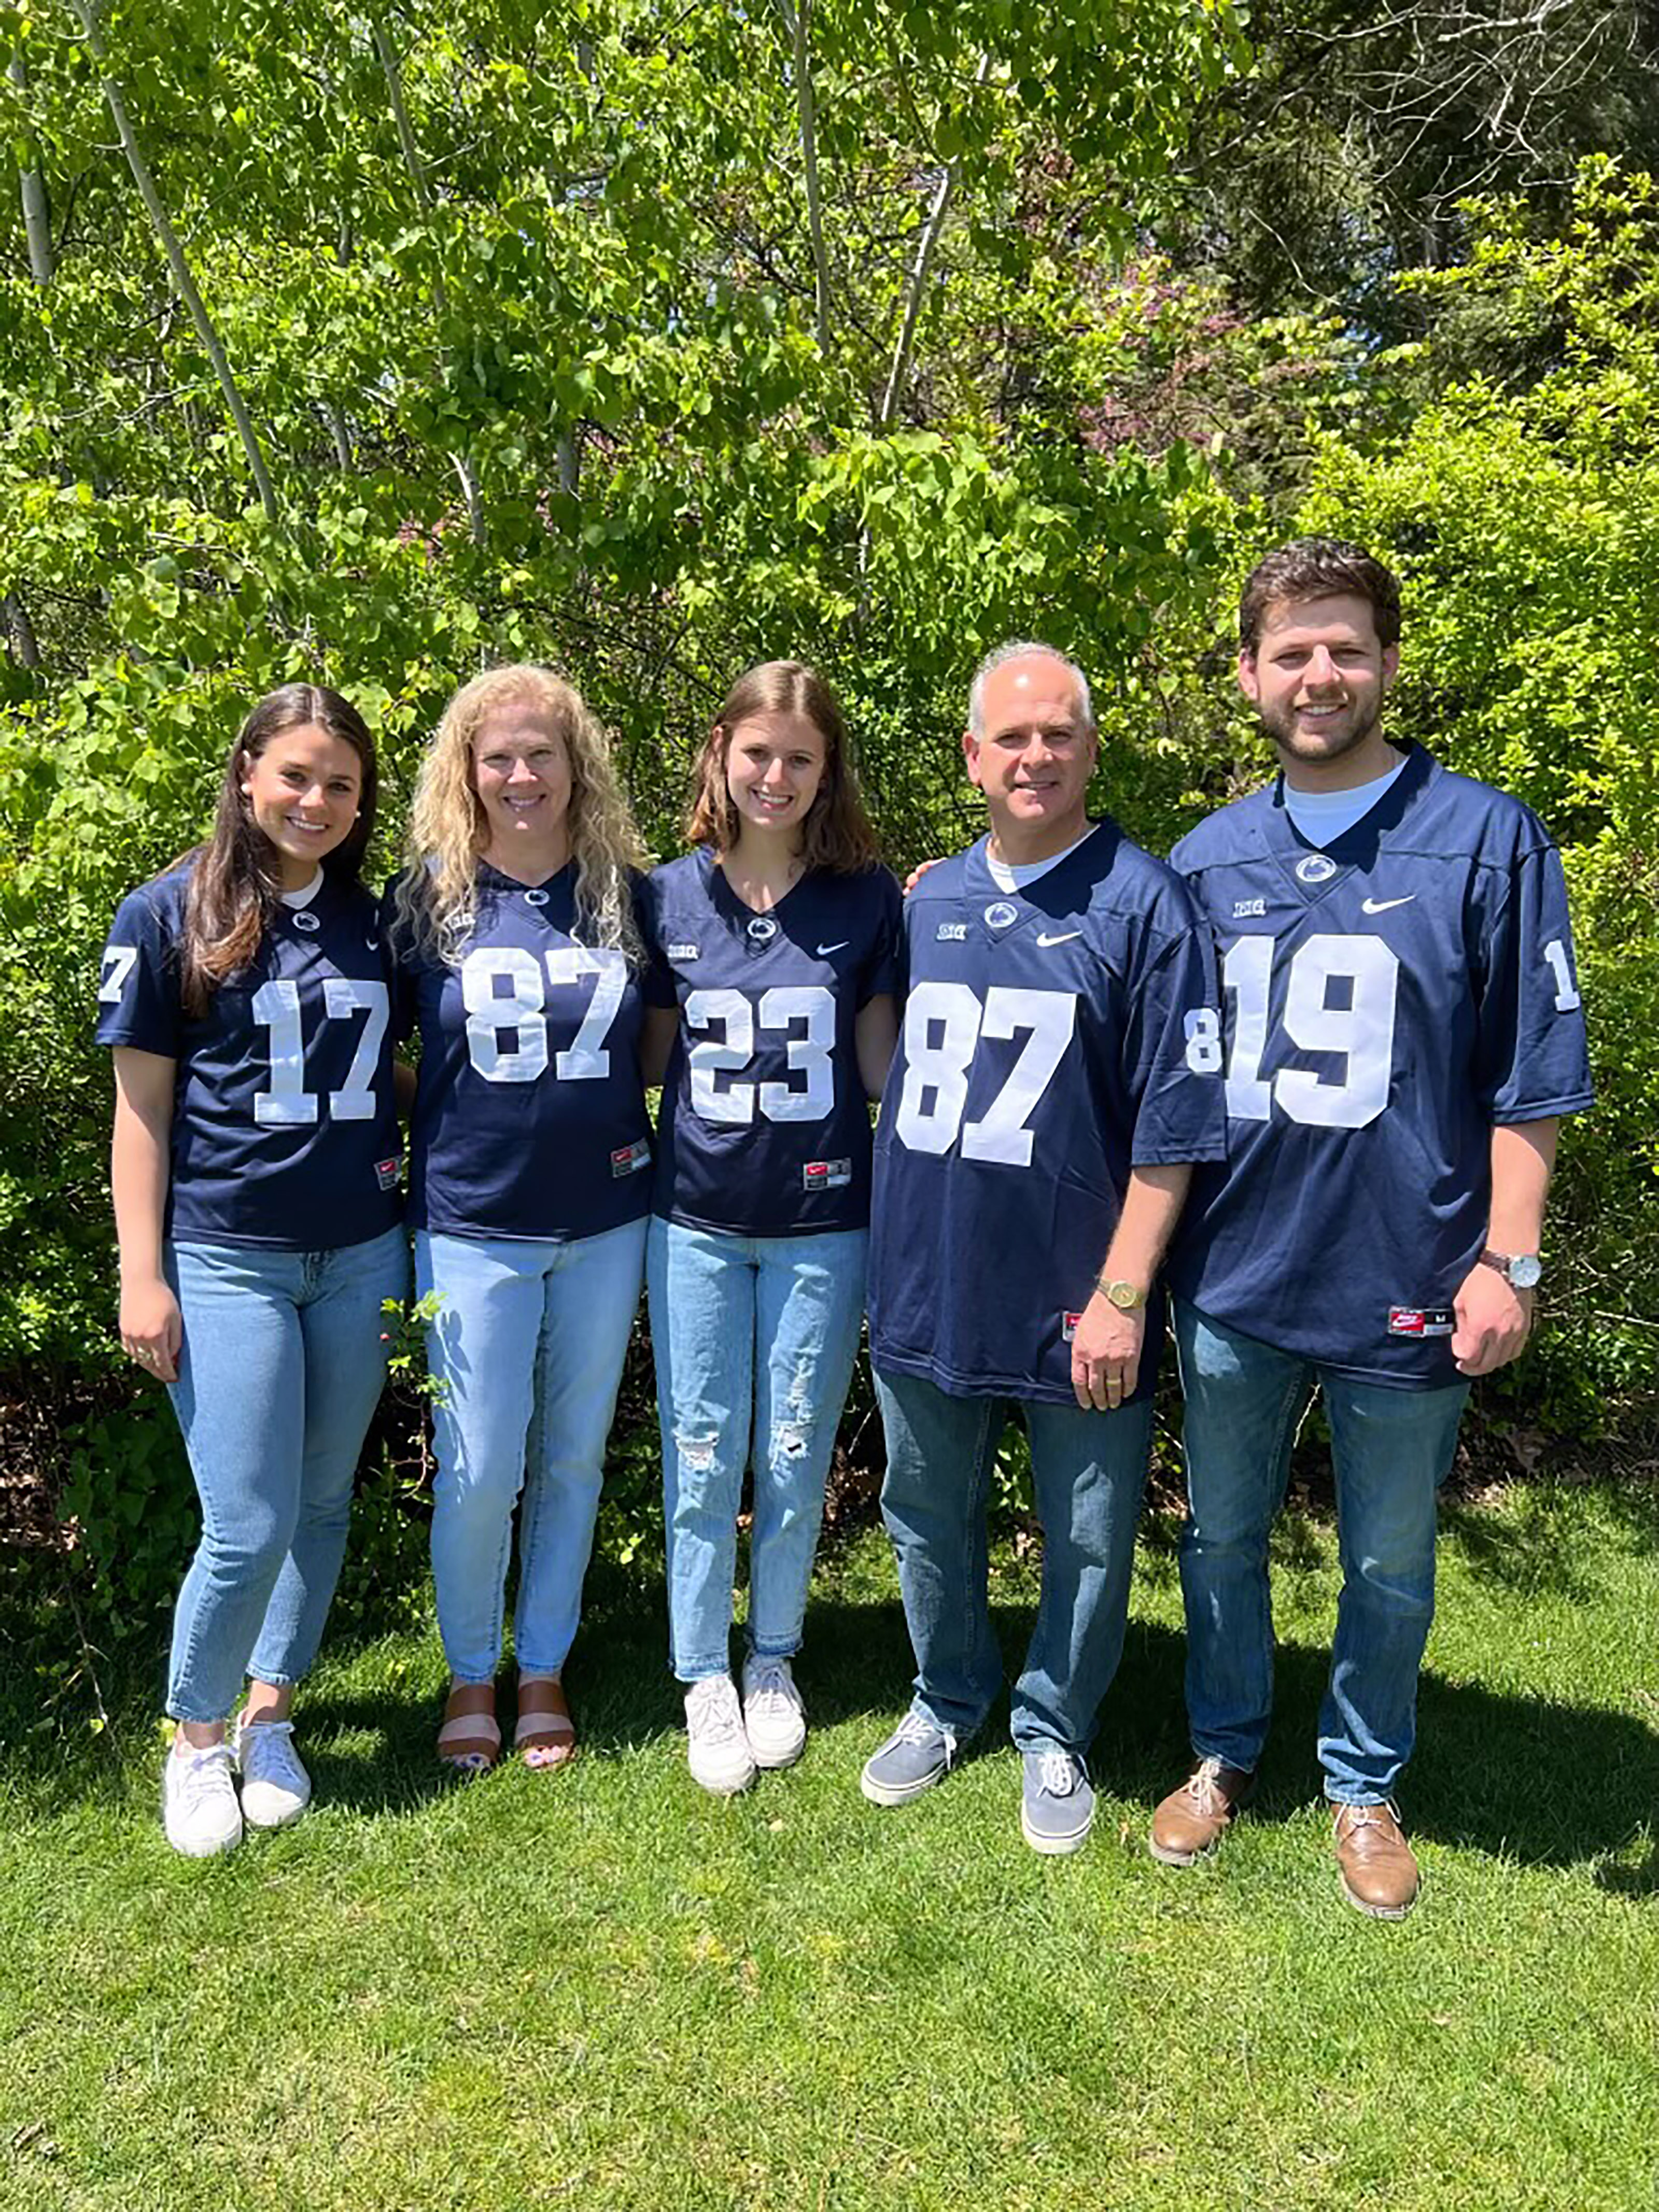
[(519, 960)]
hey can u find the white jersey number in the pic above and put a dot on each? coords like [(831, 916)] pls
[(809, 1053), (1360, 1032), (119, 960), (521, 1009), (935, 1094), (286, 1104)]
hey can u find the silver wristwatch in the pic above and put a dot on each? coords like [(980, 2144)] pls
[(1522, 1271)]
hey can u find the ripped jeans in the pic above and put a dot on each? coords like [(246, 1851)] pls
[(754, 1338)]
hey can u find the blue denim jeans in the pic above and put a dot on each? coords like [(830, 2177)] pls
[(1391, 1451), (284, 1354), (527, 1350), (754, 1338), (1088, 1470)]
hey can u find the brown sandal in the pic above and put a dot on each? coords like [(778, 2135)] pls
[(469, 1739), (546, 1736)]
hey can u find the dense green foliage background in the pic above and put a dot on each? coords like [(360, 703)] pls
[(374, 344)]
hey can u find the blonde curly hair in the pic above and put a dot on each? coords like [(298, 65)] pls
[(448, 831)]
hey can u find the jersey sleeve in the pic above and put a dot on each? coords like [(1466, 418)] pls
[(1531, 1055), (657, 983), (883, 973), (402, 978), (1172, 1057), (138, 1002)]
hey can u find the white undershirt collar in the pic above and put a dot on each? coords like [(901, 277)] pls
[(1008, 876), (1322, 816)]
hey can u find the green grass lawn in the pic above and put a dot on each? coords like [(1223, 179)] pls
[(602, 1988)]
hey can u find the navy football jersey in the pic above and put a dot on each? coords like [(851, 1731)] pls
[(765, 1127), (1054, 1037), (1387, 1001), (530, 1114), (284, 1130)]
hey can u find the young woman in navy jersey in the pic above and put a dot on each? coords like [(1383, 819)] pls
[(254, 1168), (772, 984), (519, 958)]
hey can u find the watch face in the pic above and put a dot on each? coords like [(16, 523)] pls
[(1524, 1273)]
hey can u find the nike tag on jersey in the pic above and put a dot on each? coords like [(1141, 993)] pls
[(1068, 1323), (1421, 1320), (1063, 937), (840, 945), (826, 1175), (386, 1174), (1381, 906), (629, 1159)]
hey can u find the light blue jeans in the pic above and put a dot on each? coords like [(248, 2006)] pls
[(528, 1350), (754, 1338), (1391, 1451), (1088, 1469), (284, 1354)]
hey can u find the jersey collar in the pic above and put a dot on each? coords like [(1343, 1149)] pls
[(1002, 913), (1314, 870)]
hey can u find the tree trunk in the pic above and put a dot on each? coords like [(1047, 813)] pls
[(184, 282), (392, 70), (37, 205), (919, 267), (797, 22)]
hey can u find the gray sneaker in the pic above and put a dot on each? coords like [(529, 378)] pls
[(1057, 1803), (918, 1753)]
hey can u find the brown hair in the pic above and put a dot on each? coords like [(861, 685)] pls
[(234, 877), (1318, 568), (448, 830), (836, 834)]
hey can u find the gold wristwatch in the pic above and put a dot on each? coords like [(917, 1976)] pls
[(1126, 1297)]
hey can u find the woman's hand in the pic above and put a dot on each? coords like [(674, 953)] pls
[(151, 1328)]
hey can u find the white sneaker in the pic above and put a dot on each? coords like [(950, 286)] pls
[(276, 1787), (774, 1718), (199, 1810), (716, 1748)]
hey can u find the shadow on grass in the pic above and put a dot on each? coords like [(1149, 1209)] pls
[(1545, 1783)]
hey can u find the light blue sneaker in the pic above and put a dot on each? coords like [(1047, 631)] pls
[(1057, 1801), (918, 1753)]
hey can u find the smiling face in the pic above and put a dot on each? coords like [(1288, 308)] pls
[(1318, 675), (521, 773), (774, 764), (1034, 757), (302, 789)]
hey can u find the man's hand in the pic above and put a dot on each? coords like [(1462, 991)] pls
[(1492, 1321), (1106, 1353)]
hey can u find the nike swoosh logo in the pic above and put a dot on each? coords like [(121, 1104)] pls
[(1065, 937), (824, 951), (1381, 906)]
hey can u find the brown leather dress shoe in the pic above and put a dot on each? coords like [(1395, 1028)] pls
[(1379, 1874), (1193, 1819)]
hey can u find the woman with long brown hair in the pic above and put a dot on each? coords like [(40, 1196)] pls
[(776, 967), (518, 959), (254, 1168)]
